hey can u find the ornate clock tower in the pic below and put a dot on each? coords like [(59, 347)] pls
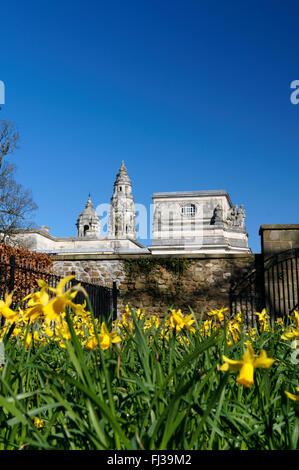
[(122, 221)]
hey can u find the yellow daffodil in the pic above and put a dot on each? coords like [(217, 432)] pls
[(139, 314), (279, 322), (127, 313), (233, 332), (48, 332), (206, 328), (91, 343), (38, 423), (295, 318), (28, 340), (79, 310), (16, 332), (189, 322), (219, 313), (106, 338), (53, 309), (36, 336), (252, 333), (126, 320), (291, 333), (263, 320), (238, 318), (36, 302), (5, 309), (177, 321), (164, 334), (292, 396), (63, 330), (247, 365), (184, 341), (155, 320), (262, 315)]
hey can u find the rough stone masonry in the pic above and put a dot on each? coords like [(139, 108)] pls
[(204, 282)]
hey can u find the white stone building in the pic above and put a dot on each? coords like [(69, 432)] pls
[(197, 222), (121, 237), (183, 223)]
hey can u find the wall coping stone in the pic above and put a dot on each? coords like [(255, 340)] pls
[(98, 256), (74, 238), (279, 227), (188, 194)]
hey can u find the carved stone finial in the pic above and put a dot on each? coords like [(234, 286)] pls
[(89, 203)]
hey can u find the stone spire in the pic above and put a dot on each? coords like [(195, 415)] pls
[(122, 222), (88, 223)]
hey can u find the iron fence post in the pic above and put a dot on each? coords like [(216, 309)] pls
[(114, 300), (12, 263)]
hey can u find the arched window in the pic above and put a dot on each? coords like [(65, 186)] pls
[(189, 210)]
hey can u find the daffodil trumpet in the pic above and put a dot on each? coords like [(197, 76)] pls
[(247, 365)]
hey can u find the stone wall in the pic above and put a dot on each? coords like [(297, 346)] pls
[(278, 238), (156, 283)]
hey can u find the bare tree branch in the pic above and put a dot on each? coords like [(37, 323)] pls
[(9, 138), (16, 204)]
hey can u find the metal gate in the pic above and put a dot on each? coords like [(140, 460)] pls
[(273, 284), (281, 283), (247, 294)]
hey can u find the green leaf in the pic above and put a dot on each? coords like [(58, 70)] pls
[(2, 353), (31, 413)]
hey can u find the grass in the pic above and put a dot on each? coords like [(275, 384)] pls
[(147, 392)]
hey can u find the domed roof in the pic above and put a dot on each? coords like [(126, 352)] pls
[(89, 211)]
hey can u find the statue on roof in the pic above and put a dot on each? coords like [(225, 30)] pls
[(236, 217)]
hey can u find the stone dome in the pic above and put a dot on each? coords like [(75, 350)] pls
[(88, 223)]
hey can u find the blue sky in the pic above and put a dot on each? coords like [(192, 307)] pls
[(193, 95)]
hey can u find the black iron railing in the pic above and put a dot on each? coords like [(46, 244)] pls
[(247, 296), (273, 285), (21, 279), (281, 282), (103, 299)]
